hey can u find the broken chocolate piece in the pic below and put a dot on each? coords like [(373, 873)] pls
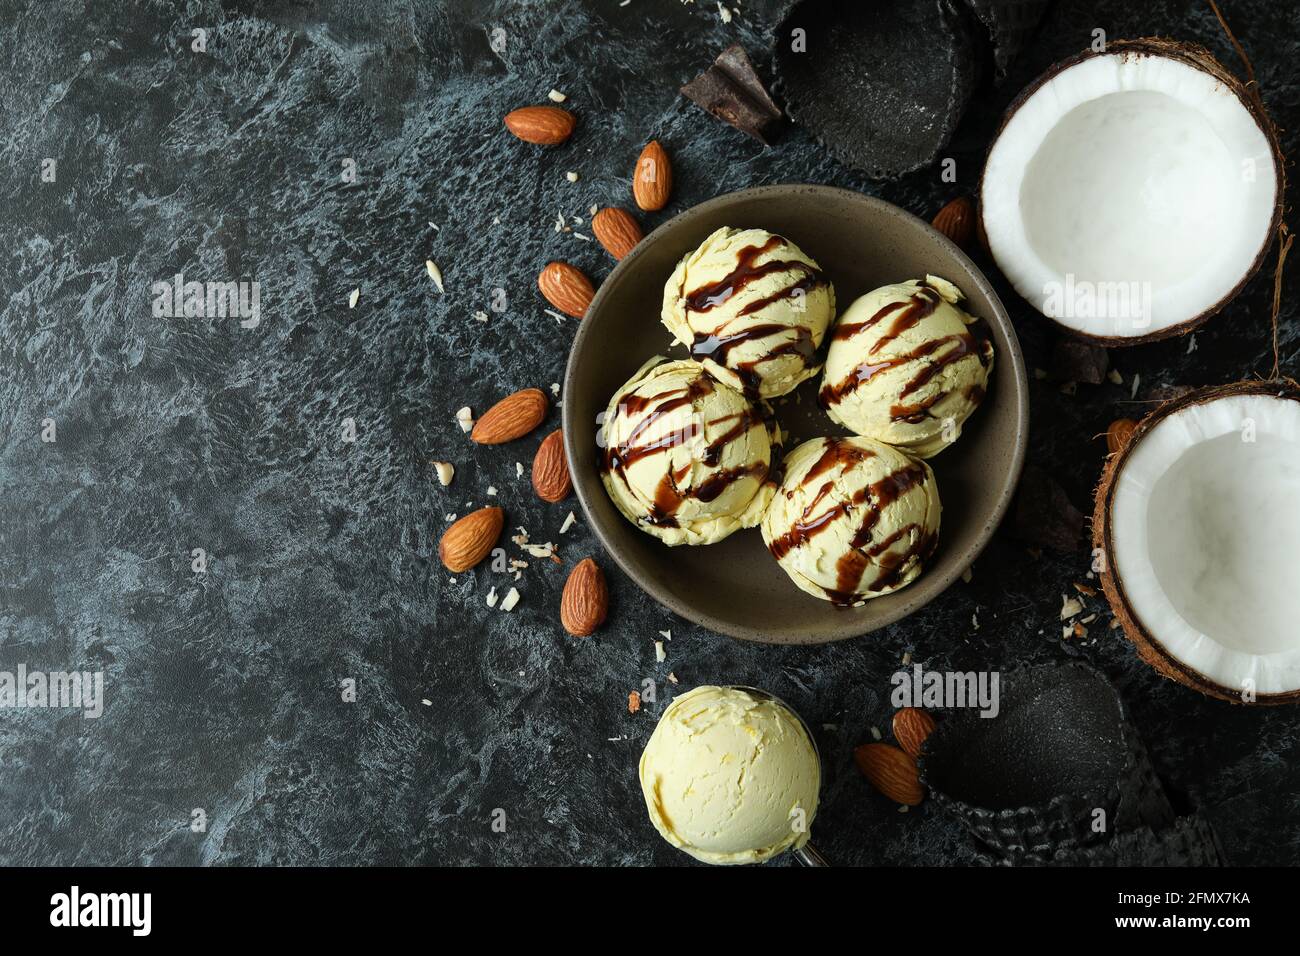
[(732, 91), (1075, 361), (1044, 514)]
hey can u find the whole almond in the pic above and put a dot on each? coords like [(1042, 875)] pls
[(566, 288), (468, 541), (957, 221), (512, 417), (652, 182), (617, 231), (550, 469), (891, 772), (585, 600), (1118, 434), (543, 125), (911, 726)]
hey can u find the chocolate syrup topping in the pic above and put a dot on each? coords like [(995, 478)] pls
[(964, 345), (914, 308), (922, 304), (862, 550), (668, 494), (746, 271), (846, 330), (744, 421), (718, 348)]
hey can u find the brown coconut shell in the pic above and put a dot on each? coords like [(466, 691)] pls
[(1199, 58), (1148, 647)]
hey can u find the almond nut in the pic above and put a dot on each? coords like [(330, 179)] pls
[(566, 288), (891, 772), (550, 469), (512, 417), (543, 125), (652, 181), (911, 726), (468, 541), (616, 230), (585, 600), (957, 221), (1118, 434)]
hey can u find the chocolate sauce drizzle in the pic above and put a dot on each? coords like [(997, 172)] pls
[(669, 496), (911, 311), (871, 500), (717, 345)]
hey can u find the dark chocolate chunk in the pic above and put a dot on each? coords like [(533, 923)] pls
[(1044, 513), (733, 92), (1075, 361)]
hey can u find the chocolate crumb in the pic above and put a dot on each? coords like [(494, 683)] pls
[(1075, 361), (1044, 514)]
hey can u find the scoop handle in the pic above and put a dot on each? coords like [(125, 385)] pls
[(809, 855)]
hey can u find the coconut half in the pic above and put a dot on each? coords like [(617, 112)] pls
[(1198, 520), (1129, 195)]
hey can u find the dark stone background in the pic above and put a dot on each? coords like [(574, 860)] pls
[(223, 688)]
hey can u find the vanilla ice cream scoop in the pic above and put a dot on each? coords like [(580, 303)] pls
[(753, 307), (904, 368), (730, 775), (854, 518), (685, 457)]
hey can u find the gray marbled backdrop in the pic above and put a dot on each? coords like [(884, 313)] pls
[(223, 688)]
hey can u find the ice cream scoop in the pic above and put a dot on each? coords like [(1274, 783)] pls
[(685, 457), (854, 518), (753, 307), (903, 366), (731, 775)]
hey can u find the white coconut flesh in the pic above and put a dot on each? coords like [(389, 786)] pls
[(1204, 532), (1129, 194)]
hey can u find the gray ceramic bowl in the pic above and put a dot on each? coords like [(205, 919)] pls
[(735, 586)]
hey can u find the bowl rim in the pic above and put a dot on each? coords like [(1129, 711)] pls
[(584, 488)]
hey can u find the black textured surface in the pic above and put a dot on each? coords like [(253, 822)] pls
[(881, 85), (1058, 730), (1028, 783), (223, 688)]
